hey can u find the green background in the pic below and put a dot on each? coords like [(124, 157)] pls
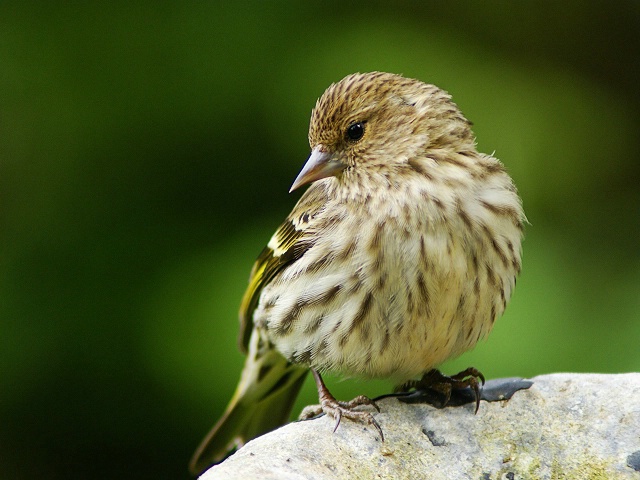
[(146, 152)]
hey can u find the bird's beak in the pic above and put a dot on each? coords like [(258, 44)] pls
[(320, 165)]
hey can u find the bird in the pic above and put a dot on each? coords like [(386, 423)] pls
[(401, 254)]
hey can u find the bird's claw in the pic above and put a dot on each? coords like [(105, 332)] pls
[(435, 380), (339, 409)]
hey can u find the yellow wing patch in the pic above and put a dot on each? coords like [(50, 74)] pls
[(285, 247)]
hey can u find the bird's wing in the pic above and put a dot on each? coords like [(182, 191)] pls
[(290, 241)]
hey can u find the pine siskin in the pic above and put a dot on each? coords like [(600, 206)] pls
[(400, 255)]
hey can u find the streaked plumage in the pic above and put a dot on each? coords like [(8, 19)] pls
[(400, 255)]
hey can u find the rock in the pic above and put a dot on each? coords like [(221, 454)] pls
[(565, 426)]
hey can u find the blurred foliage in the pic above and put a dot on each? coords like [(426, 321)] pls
[(146, 151)]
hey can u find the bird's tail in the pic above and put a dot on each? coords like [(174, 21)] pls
[(262, 402)]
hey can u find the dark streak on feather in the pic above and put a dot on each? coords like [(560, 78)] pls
[(282, 381), (410, 305), (491, 275), (320, 349), (376, 239), (423, 251), (452, 159), (472, 321), (504, 211), (264, 369), (365, 307), (420, 168), (476, 287), (385, 341), (424, 292), (326, 296), (347, 252), (302, 357), (462, 213), (461, 304), (320, 263), (285, 325), (494, 244), (313, 326)]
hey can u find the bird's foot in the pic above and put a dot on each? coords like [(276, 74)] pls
[(338, 409), (434, 380)]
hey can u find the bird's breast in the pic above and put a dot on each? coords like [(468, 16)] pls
[(389, 290)]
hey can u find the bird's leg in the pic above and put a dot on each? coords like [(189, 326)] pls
[(337, 409), (444, 384)]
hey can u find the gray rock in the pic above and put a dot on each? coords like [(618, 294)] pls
[(564, 426)]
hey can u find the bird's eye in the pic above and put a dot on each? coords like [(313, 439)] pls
[(355, 131)]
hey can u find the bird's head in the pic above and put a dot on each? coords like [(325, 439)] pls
[(377, 119)]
